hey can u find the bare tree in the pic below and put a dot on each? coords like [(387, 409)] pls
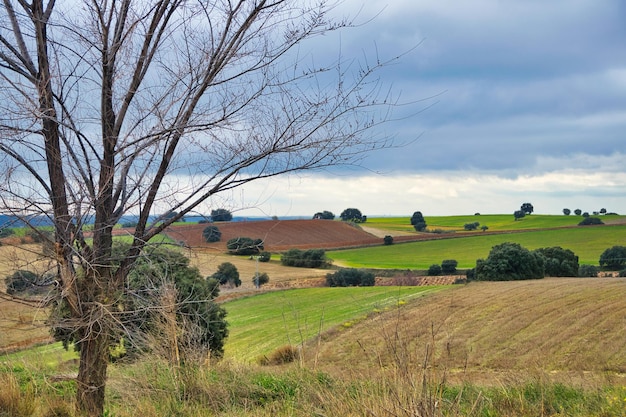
[(111, 107)]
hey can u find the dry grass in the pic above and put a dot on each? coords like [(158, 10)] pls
[(563, 329)]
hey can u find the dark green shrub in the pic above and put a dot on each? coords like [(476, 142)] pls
[(265, 256), (221, 215), (448, 266), (312, 258), (470, 274), (21, 281), (590, 221), (244, 246), (388, 240), (510, 262), (613, 258), (351, 277), (352, 215), (622, 273), (260, 279), (434, 270), (6, 232), (588, 271), (559, 262), (211, 234), (227, 273), (418, 222), (471, 226)]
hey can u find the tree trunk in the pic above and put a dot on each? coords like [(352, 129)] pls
[(92, 373)]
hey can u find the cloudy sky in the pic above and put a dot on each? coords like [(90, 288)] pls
[(523, 101)]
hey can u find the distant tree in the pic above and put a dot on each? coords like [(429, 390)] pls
[(351, 277), (510, 262), (211, 234), (434, 270), (588, 271), (484, 227), (519, 214), (388, 240), (221, 215), (227, 273), (614, 258), (260, 279), (351, 215), (471, 226), (324, 215), (586, 214), (244, 246), (559, 262), (418, 222), (311, 258), (448, 266), (21, 281), (590, 221), (578, 212), (567, 211), (527, 208), (602, 211)]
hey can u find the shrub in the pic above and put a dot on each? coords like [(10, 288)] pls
[(510, 262), (588, 271), (227, 273), (613, 258), (471, 226), (221, 215), (211, 234), (448, 266), (418, 222), (312, 258), (324, 215), (352, 215), (559, 262), (6, 232), (622, 273), (470, 274), (260, 279), (282, 355), (21, 281), (264, 256), (434, 270), (388, 240), (590, 221), (244, 246), (351, 277)]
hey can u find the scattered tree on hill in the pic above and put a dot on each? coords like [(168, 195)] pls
[(311, 258), (184, 88), (244, 246), (586, 214), (324, 215), (484, 227), (578, 212), (418, 222), (264, 256), (527, 208), (559, 262), (471, 226), (567, 211), (448, 266), (510, 262), (613, 258), (351, 277), (352, 215), (221, 215), (519, 214), (227, 273), (590, 221), (211, 234), (388, 240), (602, 211)]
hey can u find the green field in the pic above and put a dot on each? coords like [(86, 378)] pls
[(586, 242), (262, 323)]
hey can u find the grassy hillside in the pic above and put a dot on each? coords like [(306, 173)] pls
[(586, 242), (262, 323)]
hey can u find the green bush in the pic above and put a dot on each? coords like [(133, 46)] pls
[(510, 262), (261, 279), (622, 273), (351, 277), (211, 234), (559, 262), (21, 281), (312, 258), (590, 221), (448, 266), (388, 240), (6, 232), (613, 258), (588, 271), (227, 273), (244, 246), (265, 256), (434, 270)]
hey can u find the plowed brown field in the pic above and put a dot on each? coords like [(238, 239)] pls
[(280, 235)]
